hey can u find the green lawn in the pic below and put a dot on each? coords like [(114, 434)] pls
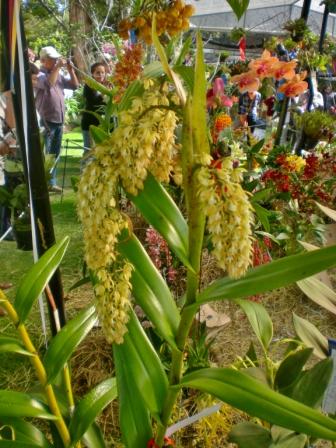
[(15, 263)]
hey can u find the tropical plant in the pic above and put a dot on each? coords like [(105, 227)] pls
[(52, 400), (287, 376), (317, 125), (147, 394)]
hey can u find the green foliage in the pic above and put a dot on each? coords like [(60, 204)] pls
[(317, 125)]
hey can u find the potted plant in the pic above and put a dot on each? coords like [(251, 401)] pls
[(18, 203), (316, 126)]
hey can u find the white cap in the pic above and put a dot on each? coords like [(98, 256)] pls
[(49, 52)]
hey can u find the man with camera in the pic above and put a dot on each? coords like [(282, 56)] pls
[(49, 88)]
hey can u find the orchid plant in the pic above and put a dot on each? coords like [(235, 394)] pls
[(140, 156)]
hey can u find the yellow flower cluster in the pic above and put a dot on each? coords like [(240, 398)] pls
[(229, 216), (113, 314), (143, 142), (145, 139), (296, 163)]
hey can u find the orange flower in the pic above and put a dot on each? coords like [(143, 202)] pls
[(263, 66), (295, 86), (246, 82), (284, 70)]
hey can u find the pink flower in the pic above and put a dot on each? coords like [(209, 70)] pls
[(216, 96)]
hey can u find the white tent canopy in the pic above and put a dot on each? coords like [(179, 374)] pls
[(266, 16)]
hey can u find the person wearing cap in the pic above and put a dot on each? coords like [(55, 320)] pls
[(49, 88)]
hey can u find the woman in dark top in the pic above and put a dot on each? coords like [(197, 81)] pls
[(93, 102)]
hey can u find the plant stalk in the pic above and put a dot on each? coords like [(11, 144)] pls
[(282, 119), (39, 368)]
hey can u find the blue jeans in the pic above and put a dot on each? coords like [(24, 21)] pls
[(53, 143)]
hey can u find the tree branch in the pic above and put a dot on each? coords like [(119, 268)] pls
[(53, 13)]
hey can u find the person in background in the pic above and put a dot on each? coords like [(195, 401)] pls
[(49, 88), (94, 102), (12, 170), (329, 99), (248, 110)]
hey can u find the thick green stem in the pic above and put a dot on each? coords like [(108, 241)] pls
[(39, 368), (196, 233)]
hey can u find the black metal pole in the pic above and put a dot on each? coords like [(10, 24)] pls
[(324, 27), (35, 174), (305, 10)]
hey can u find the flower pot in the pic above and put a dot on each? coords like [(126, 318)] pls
[(23, 234), (310, 142)]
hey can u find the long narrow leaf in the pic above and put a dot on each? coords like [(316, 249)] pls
[(250, 435), (90, 407), (16, 444), (135, 423), (150, 290), (311, 336), (9, 344), (199, 118), (18, 404), (259, 320), (64, 343), (319, 293), (144, 367), (165, 65), (291, 368), (312, 385), (93, 438), (37, 278), (270, 276), (26, 432), (251, 396), (162, 213)]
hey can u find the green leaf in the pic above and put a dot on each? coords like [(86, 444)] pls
[(257, 147), (319, 293), (165, 64), (18, 404), (311, 386), (251, 396), (8, 344), (199, 108), (259, 320), (25, 432), (159, 209), (239, 6), (135, 89), (15, 444), (262, 215), (311, 336), (34, 282), (90, 407), (98, 134), (95, 85), (327, 211), (144, 367), (270, 276), (64, 343), (184, 50), (150, 290), (135, 422), (288, 439), (250, 435), (93, 438), (153, 70), (187, 74), (291, 368)]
